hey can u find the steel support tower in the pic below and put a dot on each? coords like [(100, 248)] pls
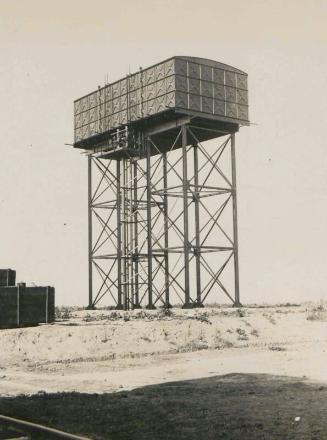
[(162, 214)]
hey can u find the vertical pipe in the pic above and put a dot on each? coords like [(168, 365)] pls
[(234, 187), (18, 305), (47, 304), (187, 303), (197, 227), (131, 233), (89, 177), (125, 236), (119, 241), (165, 210), (136, 304), (149, 223)]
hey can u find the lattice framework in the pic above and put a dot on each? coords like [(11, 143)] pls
[(163, 225)]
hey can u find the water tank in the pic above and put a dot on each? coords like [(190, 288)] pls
[(202, 88)]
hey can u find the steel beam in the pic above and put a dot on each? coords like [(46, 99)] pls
[(131, 234), (237, 302), (90, 263), (125, 237), (136, 299), (166, 229), (187, 303), (119, 240), (197, 249), (150, 304), (168, 125)]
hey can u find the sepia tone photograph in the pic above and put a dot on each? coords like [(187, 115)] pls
[(163, 211)]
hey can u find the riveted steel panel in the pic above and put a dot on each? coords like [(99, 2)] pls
[(102, 111), (218, 76), (194, 70), (241, 81), (207, 104), (170, 67), (115, 105), (78, 121), (142, 95), (78, 134), (230, 94), (93, 114), (123, 117), (194, 86), (242, 96), (93, 100), (150, 91), (102, 125), (93, 129), (134, 97), (102, 96), (181, 100), (115, 119), (85, 104), (207, 89), (108, 107), (170, 99), (195, 102), (161, 103), (108, 93), (116, 90), (85, 132), (206, 73), (149, 76), (151, 107), (85, 118), (170, 84), (180, 67), (160, 87), (134, 81), (219, 91), (135, 112), (160, 71), (143, 109), (219, 107), (243, 112), (230, 78), (123, 102), (231, 110), (181, 83), (77, 107), (123, 86)]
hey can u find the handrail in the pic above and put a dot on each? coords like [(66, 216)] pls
[(38, 429)]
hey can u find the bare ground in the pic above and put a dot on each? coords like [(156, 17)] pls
[(255, 373)]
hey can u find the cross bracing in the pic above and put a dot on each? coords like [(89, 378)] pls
[(163, 222)]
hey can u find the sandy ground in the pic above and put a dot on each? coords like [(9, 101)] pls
[(114, 352), (101, 351)]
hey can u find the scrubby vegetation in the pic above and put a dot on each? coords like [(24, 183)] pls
[(317, 313)]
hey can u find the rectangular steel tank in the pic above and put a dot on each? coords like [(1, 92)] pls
[(7, 277), (26, 306), (191, 85)]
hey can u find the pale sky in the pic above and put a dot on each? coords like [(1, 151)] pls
[(55, 52)]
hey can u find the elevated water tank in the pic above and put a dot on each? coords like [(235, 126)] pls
[(198, 87)]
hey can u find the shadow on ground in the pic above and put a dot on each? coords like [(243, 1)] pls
[(235, 406)]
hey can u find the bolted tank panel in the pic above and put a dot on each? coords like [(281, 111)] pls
[(189, 85)]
